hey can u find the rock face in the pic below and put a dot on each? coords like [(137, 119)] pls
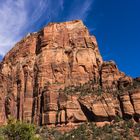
[(57, 77)]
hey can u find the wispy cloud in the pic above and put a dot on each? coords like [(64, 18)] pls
[(80, 9), (13, 18), (19, 16)]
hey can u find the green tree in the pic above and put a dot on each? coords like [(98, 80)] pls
[(16, 130)]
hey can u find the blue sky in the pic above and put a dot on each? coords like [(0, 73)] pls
[(115, 23)]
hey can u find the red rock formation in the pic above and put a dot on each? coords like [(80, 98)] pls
[(40, 68), (18, 67)]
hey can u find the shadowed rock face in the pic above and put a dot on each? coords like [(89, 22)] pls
[(37, 73)]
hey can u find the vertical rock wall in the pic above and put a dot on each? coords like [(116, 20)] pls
[(36, 72)]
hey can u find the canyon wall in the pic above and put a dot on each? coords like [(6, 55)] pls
[(58, 77)]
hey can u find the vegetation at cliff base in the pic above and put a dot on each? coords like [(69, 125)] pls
[(16, 130), (119, 131), (122, 130)]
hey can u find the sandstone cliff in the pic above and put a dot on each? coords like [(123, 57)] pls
[(57, 77)]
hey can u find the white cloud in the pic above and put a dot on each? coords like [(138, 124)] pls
[(38, 9), (13, 18), (62, 4), (80, 9)]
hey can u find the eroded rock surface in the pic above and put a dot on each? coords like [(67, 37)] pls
[(57, 77)]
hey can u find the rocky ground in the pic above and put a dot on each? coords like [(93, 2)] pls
[(122, 130)]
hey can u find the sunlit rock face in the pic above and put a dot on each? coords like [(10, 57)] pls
[(37, 73)]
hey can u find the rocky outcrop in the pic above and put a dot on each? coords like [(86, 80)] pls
[(18, 67), (57, 77)]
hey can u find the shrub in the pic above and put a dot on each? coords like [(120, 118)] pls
[(16, 130), (118, 119)]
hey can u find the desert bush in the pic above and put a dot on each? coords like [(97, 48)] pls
[(16, 130), (108, 132), (137, 130)]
